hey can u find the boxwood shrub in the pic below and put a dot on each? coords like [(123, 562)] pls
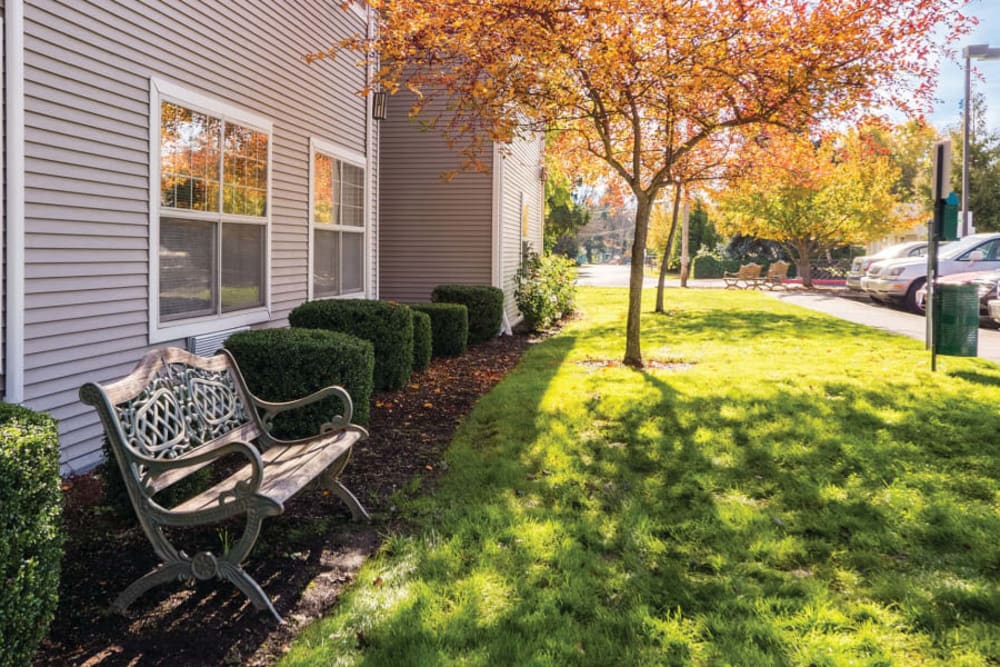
[(389, 327), (31, 537), (485, 306), (449, 327), (286, 364), (421, 340)]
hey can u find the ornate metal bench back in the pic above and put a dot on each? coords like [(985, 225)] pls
[(171, 403)]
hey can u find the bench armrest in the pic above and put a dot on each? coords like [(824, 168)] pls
[(198, 458), (337, 422)]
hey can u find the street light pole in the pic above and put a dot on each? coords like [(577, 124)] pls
[(979, 52)]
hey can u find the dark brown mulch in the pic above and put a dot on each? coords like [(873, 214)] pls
[(303, 560)]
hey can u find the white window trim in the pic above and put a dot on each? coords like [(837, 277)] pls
[(357, 159), (160, 90)]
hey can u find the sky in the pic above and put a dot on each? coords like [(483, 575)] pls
[(951, 83)]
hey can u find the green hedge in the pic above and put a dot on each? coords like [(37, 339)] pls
[(422, 338), (708, 266), (389, 327), (485, 306), (286, 364), (31, 535), (449, 327)]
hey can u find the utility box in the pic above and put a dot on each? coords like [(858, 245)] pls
[(957, 320)]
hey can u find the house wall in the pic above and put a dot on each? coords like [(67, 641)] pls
[(87, 90), (522, 195), (432, 230)]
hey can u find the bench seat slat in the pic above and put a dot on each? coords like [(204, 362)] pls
[(287, 470)]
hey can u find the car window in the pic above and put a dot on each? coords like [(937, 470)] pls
[(990, 250), (919, 251)]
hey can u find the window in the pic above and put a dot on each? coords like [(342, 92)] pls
[(338, 222), (211, 214)]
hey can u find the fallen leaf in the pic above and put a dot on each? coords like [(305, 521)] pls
[(377, 582), (428, 405)]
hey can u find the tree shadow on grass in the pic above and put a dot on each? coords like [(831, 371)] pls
[(756, 529)]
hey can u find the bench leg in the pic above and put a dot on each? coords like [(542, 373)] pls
[(332, 484), (358, 512), (161, 575), (243, 581)]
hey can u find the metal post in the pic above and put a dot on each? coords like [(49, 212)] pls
[(966, 116)]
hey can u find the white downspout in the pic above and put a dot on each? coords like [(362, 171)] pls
[(14, 218)]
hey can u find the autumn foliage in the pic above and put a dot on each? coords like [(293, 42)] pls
[(815, 194), (635, 86)]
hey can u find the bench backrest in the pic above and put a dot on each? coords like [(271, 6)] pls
[(778, 270), (749, 271), (172, 403)]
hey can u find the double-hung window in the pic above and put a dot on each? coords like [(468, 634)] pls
[(213, 213), (338, 215)]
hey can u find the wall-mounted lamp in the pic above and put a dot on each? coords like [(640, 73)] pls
[(380, 104)]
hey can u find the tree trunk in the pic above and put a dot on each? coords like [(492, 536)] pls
[(803, 263), (666, 252), (633, 350)]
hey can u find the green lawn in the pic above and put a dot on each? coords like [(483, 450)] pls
[(785, 489)]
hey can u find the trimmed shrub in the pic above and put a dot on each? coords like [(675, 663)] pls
[(545, 289), (709, 266), (485, 306), (287, 364), (389, 327), (31, 536), (449, 327), (421, 340)]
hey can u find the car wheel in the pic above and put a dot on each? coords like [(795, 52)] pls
[(910, 301)]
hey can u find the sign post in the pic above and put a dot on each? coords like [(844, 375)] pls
[(937, 230)]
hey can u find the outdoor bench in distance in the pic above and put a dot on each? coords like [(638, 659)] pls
[(177, 413)]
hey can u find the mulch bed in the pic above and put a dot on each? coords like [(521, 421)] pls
[(303, 560)]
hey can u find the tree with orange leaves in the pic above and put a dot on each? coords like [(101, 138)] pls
[(814, 195), (636, 85)]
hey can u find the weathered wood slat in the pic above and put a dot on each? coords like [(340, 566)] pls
[(287, 470)]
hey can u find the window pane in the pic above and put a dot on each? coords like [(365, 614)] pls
[(244, 169), (187, 276), (354, 262), (323, 190), (189, 159), (353, 194), (326, 249), (242, 266)]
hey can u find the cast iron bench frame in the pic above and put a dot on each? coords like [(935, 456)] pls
[(177, 413)]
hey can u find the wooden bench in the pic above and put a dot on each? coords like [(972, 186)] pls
[(746, 277), (777, 276), (177, 413)]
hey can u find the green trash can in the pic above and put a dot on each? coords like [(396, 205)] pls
[(957, 320)]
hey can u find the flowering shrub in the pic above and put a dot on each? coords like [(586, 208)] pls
[(545, 288)]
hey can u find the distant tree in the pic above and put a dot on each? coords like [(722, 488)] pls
[(984, 169), (813, 196), (564, 214)]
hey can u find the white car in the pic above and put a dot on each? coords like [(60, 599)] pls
[(860, 265), (898, 280)]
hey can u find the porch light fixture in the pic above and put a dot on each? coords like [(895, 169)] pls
[(380, 103), (978, 52)]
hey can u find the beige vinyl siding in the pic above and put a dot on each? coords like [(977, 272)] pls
[(431, 231), (87, 89), (522, 163), (3, 226)]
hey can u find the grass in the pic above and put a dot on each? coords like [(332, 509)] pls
[(785, 489)]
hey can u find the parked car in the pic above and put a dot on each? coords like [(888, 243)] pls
[(986, 282), (899, 280), (860, 265)]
